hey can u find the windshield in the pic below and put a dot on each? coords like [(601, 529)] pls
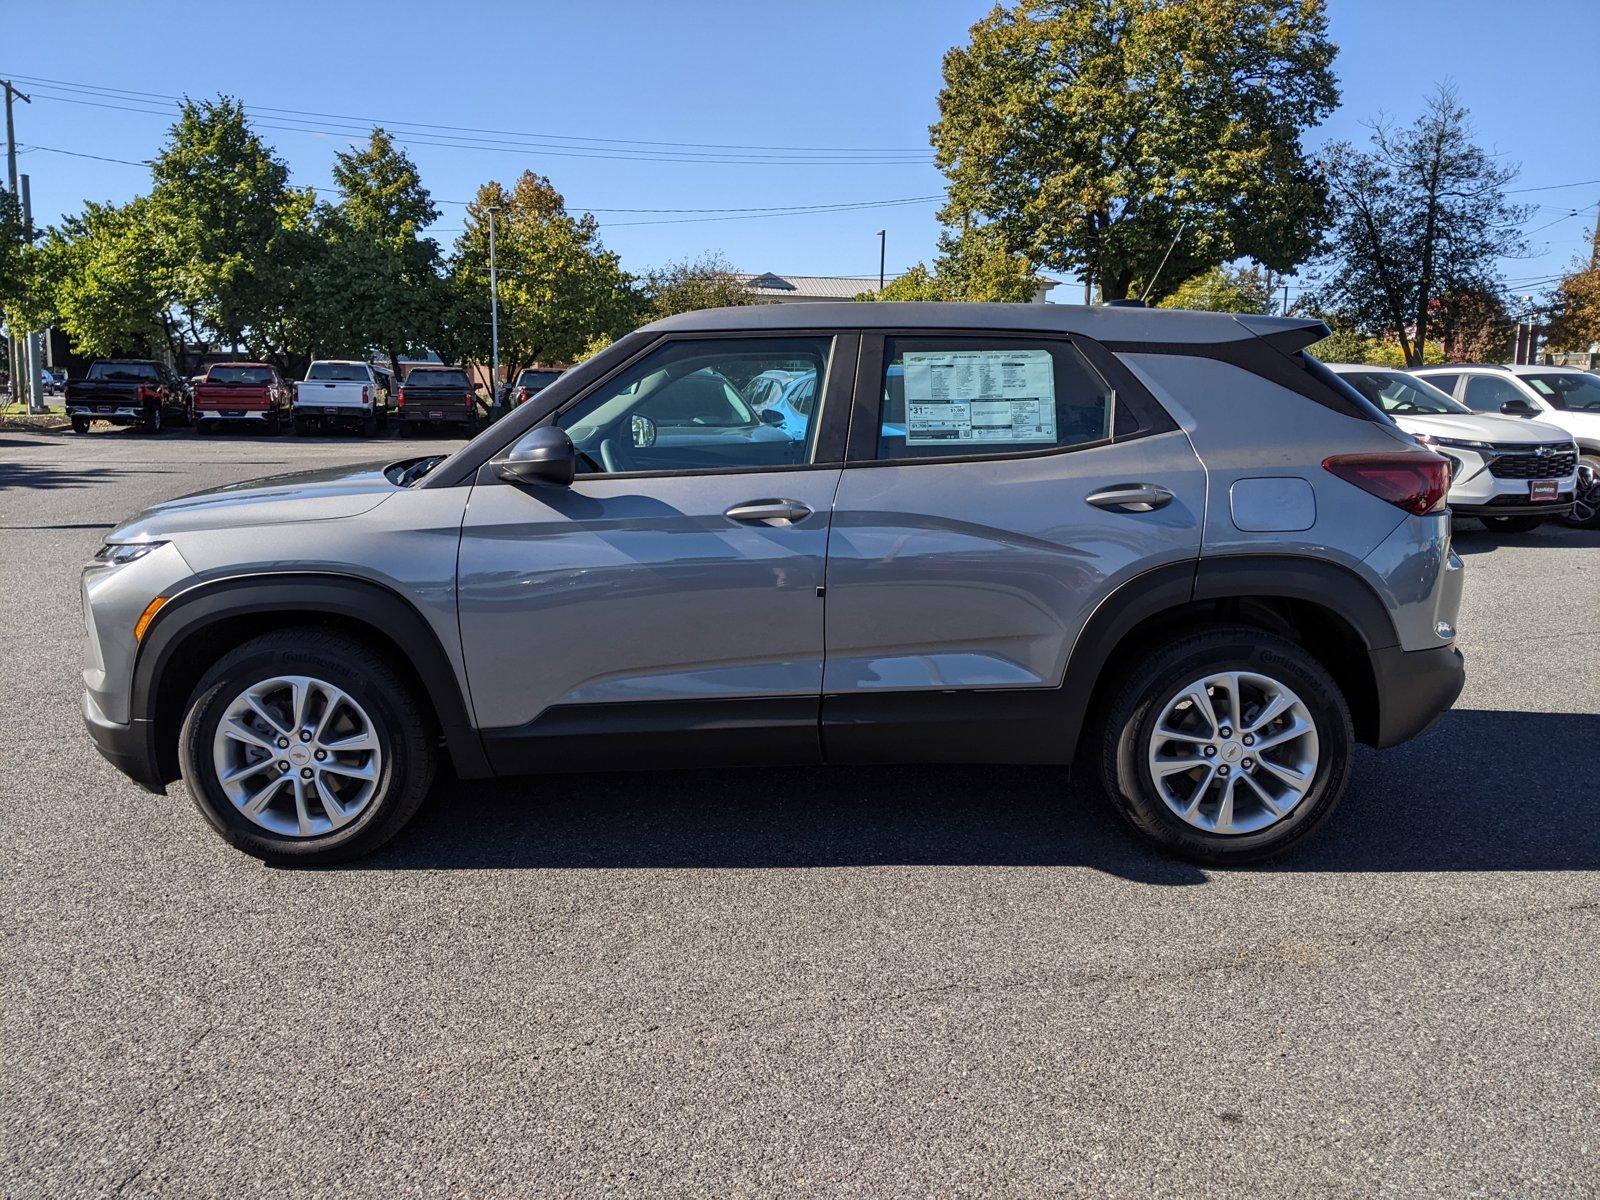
[(135, 371), (1577, 392), (537, 379), (338, 372), (455, 379), (1401, 394), (240, 375)]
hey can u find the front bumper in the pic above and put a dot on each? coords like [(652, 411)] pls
[(1516, 506), (1415, 689), (129, 748)]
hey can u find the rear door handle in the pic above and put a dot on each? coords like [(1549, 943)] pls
[(1131, 497), (776, 513)]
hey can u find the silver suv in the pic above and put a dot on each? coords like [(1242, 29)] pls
[(1168, 546)]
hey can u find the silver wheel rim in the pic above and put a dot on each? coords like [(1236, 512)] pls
[(1233, 752), (297, 756)]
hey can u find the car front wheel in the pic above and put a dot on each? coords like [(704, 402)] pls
[(1227, 747), (306, 747)]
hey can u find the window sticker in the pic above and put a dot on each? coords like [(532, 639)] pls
[(979, 396)]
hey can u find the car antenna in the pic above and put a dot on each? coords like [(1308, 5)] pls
[(1182, 225)]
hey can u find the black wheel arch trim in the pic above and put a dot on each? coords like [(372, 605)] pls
[(350, 597)]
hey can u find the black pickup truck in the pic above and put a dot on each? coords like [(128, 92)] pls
[(435, 397), (128, 391)]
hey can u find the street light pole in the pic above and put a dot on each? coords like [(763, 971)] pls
[(494, 320), (14, 366), (883, 235)]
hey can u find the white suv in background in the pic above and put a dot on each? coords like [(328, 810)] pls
[(1511, 474)]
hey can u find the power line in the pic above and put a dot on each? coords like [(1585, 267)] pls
[(97, 89), (159, 105)]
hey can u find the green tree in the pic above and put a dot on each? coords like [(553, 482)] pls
[(382, 277), (973, 266), (559, 287), (1224, 289), (1419, 216), (706, 282), (1090, 131), (216, 208), (106, 279)]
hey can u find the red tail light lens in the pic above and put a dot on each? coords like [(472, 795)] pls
[(1415, 482), (399, 397), (366, 395), (522, 395)]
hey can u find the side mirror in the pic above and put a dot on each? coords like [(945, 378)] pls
[(1518, 408), (543, 455), (642, 431), (771, 416)]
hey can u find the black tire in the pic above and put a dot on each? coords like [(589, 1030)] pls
[(404, 734), (302, 427), (80, 424), (1512, 524), (1143, 691), (369, 425), (151, 421)]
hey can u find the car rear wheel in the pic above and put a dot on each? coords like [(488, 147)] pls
[(306, 747), (1226, 747), (1512, 524), (80, 424), (151, 422)]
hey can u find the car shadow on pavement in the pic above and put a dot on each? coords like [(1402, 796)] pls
[(1482, 791), (44, 476)]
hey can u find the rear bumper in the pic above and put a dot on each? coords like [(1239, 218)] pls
[(124, 415), (236, 414), (129, 748), (1415, 689), (423, 415)]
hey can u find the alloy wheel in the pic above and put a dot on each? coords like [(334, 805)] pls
[(1233, 752), (297, 756)]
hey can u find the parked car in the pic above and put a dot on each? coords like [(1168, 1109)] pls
[(246, 395), (128, 391), (1168, 546), (436, 398), (528, 384), (1510, 474), (55, 383), (790, 402), (341, 394), (1566, 397)]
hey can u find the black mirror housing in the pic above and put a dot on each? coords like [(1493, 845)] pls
[(544, 455), (1518, 408)]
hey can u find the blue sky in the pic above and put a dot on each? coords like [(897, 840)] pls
[(854, 76)]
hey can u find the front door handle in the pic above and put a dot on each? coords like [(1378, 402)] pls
[(1131, 497), (777, 513)]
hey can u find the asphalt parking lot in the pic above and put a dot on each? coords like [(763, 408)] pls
[(865, 982)]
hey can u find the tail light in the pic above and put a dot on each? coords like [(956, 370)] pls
[(399, 397), (471, 395), (366, 394), (522, 395), (1417, 483)]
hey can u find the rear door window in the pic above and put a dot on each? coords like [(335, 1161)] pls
[(955, 397)]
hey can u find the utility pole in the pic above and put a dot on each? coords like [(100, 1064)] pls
[(883, 235), (31, 350), (494, 320), (15, 366)]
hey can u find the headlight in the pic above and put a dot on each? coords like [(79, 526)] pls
[(115, 554), (1428, 439)]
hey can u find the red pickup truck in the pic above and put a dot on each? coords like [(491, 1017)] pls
[(252, 395)]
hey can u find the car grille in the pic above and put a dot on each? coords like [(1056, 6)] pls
[(1526, 464)]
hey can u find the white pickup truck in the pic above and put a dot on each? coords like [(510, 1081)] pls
[(342, 392)]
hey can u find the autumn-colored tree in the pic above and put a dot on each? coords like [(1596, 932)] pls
[(1575, 322)]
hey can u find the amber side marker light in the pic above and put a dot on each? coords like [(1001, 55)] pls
[(148, 615)]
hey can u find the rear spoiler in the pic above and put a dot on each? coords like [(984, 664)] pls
[(1288, 334)]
